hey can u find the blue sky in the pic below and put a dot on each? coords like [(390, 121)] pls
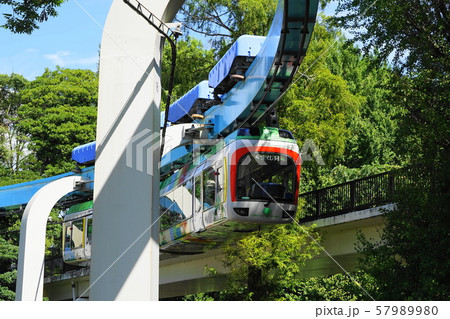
[(70, 40)]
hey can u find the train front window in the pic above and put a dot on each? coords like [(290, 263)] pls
[(265, 176), (74, 234)]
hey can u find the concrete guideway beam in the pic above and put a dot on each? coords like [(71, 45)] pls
[(125, 243), (30, 269)]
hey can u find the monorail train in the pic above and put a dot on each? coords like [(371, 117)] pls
[(250, 178)]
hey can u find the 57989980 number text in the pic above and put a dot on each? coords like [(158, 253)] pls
[(407, 310)]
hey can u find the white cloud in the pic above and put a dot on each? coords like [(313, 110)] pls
[(69, 59), (58, 58)]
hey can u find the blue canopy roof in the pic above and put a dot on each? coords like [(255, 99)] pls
[(84, 153), (183, 105), (245, 46)]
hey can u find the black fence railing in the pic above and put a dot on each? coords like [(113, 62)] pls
[(335, 200), (355, 195)]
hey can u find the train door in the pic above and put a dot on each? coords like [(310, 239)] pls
[(209, 195), (197, 205), (220, 189)]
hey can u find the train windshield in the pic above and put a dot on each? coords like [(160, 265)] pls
[(266, 176), (74, 234)]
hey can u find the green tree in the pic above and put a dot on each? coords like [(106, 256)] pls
[(14, 155), (338, 287), (374, 129), (25, 15), (413, 255), (9, 241), (417, 34), (59, 112), (9, 248), (223, 21), (193, 65), (411, 262), (262, 263), (318, 107), (10, 100)]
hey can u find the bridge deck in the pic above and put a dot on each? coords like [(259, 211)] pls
[(183, 275)]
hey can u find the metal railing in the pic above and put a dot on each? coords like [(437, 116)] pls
[(335, 200), (355, 195)]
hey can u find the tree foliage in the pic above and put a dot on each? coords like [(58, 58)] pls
[(338, 287), (413, 255), (40, 123), (223, 21), (411, 262), (25, 15), (365, 109), (59, 112), (340, 101), (14, 156), (263, 262), (416, 32), (193, 65), (374, 129), (9, 250), (319, 103)]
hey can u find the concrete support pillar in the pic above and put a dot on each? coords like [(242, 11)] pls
[(30, 269), (125, 246)]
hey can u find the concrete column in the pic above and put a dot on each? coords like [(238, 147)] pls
[(125, 248), (30, 268)]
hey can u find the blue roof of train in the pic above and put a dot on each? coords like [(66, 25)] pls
[(183, 105), (84, 153), (245, 45)]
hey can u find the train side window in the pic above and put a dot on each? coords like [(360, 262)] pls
[(170, 209), (188, 194), (76, 234), (209, 188), (177, 210), (88, 230), (67, 235), (220, 185), (164, 208), (198, 193)]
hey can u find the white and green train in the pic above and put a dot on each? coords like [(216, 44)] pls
[(248, 179)]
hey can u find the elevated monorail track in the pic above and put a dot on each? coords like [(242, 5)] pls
[(268, 77)]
